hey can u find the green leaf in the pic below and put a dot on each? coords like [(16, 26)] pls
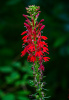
[(59, 41), (22, 82), (8, 79), (27, 68), (15, 75), (22, 98), (16, 64), (12, 77), (6, 69), (17, 83), (1, 93), (31, 83), (25, 76), (23, 93), (9, 97)]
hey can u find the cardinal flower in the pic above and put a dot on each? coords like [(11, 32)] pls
[(35, 46)]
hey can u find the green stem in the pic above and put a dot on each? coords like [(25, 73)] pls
[(38, 82)]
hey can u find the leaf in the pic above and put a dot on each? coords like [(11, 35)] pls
[(22, 98), (22, 82), (6, 69), (15, 75), (31, 83), (27, 68), (1, 93), (16, 64), (12, 77), (23, 93), (9, 97), (59, 41), (25, 76), (17, 83)]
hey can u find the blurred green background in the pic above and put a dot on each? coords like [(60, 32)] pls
[(15, 72)]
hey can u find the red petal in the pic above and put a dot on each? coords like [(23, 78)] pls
[(42, 27), (41, 67), (38, 53), (46, 59), (24, 52), (25, 37), (31, 48), (44, 37), (26, 25), (31, 58), (24, 32), (25, 16), (41, 20), (45, 49)]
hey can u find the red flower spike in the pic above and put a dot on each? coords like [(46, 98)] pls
[(34, 46)]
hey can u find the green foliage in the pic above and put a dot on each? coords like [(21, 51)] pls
[(60, 41), (6, 69), (15, 79), (22, 98), (8, 97), (12, 77)]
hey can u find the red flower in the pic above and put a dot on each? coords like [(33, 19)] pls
[(38, 53), (35, 47), (46, 59), (26, 25), (41, 67), (25, 37), (44, 37), (25, 16), (24, 32), (41, 20), (45, 49), (24, 52), (31, 48), (31, 58), (42, 27)]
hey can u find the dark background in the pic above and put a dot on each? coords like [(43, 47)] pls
[(15, 71)]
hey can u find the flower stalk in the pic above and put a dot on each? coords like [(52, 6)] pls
[(35, 47)]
